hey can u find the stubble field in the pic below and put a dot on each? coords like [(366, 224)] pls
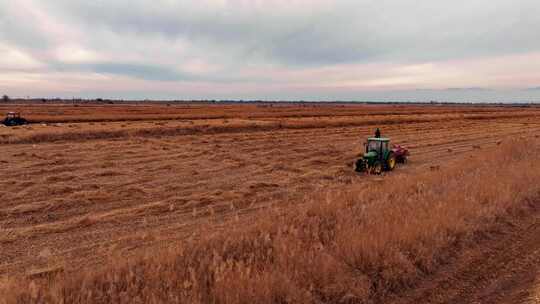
[(86, 183)]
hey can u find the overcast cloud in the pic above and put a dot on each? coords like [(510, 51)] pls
[(478, 50)]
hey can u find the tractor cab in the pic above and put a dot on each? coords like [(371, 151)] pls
[(378, 145), (13, 115)]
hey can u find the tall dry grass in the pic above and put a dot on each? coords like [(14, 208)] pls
[(84, 133), (355, 245)]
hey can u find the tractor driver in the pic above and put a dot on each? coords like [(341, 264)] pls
[(377, 133)]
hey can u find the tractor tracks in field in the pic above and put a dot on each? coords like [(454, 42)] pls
[(498, 267)]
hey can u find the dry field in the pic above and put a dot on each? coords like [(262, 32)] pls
[(88, 184)]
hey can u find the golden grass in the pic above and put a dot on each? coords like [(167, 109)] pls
[(351, 245), (46, 132), (65, 113)]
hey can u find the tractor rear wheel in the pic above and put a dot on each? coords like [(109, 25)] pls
[(391, 162)]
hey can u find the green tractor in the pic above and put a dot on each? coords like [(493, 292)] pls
[(380, 157)]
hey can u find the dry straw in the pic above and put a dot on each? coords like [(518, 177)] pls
[(350, 246)]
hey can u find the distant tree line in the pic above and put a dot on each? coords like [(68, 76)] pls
[(5, 98)]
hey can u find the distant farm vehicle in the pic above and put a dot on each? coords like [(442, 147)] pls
[(14, 119), (379, 157)]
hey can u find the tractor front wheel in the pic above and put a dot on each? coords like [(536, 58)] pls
[(377, 168)]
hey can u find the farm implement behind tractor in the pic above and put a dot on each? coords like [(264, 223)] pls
[(379, 157)]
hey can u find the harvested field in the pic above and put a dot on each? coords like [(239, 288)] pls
[(89, 183)]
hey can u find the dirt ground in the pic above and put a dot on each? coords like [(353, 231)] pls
[(86, 182), (501, 270)]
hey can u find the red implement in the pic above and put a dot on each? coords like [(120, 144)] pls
[(401, 153)]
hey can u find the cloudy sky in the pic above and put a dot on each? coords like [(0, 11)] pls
[(461, 50)]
